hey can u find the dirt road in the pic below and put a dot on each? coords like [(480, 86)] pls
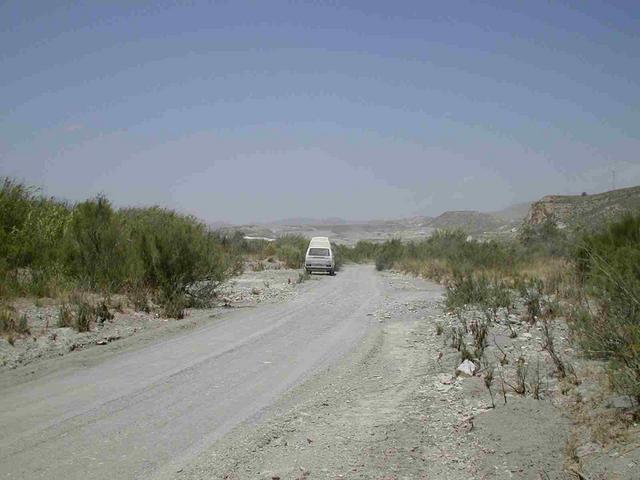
[(350, 378), (138, 412)]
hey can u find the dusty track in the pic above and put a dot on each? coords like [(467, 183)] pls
[(347, 380), (135, 413)]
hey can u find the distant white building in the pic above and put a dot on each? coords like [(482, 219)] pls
[(247, 237)]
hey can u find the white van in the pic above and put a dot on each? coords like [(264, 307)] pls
[(320, 257)]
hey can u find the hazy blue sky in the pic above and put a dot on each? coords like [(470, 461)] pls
[(246, 111)]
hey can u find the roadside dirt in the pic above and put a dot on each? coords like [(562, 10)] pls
[(48, 341), (394, 410)]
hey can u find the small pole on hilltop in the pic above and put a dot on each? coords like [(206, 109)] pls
[(613, 179)]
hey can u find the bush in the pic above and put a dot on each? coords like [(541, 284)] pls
[(48, 248), (174, 306), (95, 246), (531, 293), (389, 253), (65, 316), (609, 266), (363, 251), (172, 252), (546, 239), (291, 249), (465, 289), (31, 229), (85, 314), (448, 250), (498, 296), (9, 325)]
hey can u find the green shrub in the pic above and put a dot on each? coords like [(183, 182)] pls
[(467, 289), (609, 266), (531, 293), (23, 325), (545, 239), (78, 313), (362, 251), (453, 249), (95, 246), (48, 247), (498, 296), (15, 206), (291, 249), (389, 253), (85, 314), (174, 306), (31, 229), (172, 252)]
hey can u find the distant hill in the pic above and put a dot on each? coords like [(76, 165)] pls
[(576, 211), (514, 213), (251, 230), (473, 221), (468, 220), (311, 221), (220, 225)]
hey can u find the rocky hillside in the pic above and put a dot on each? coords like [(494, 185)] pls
[(584, 210), (514, 213), (468, 220)]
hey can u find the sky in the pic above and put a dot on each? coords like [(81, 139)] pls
[(254, 111)]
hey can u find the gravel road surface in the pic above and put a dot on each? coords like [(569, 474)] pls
[(350, 378), (148, 410)]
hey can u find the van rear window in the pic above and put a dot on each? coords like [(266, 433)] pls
[(319, 252)]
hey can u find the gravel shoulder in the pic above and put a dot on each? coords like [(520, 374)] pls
[(392, 410), (50, 347)]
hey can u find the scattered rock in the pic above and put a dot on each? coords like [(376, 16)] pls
[(620, 401), (467, 368)]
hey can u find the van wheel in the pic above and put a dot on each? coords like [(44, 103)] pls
[(332, 273)]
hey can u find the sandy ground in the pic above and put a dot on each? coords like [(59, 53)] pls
[(137, 412), (393, 406), (394, 409)]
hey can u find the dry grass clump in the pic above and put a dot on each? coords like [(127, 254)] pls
[(65, 316), (434, 269), (80, 313), (557, 273), (12, 324), (605, 426)]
